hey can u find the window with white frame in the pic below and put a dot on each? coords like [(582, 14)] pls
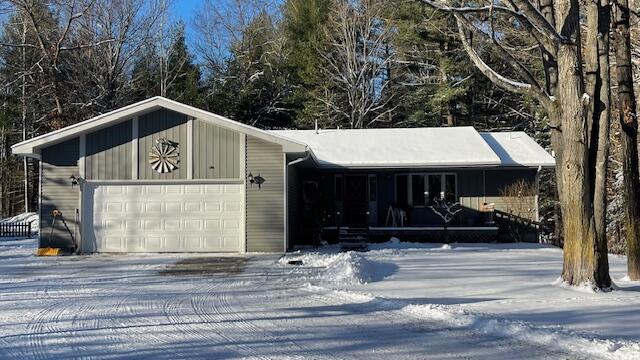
[(424, 189)]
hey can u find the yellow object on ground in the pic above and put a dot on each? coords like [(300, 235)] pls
[(48, 251)]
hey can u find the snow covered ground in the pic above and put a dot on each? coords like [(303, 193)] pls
[(394, 302), (498, 289)]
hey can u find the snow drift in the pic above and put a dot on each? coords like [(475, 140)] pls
[(347, 268), (554, 337)]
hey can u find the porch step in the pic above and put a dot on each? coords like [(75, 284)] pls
[(353, 238)]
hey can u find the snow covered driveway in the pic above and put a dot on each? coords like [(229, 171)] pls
[(182, 306)]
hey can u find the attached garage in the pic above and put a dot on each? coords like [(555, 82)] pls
[(161, 176), (164, 218)]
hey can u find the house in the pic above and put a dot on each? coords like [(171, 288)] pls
[(161, 176)]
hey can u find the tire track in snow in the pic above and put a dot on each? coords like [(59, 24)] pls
[(208, 309), (41, 325), (249, 327)]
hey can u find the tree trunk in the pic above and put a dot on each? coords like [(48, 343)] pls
[(582, 263), (628, 136), (23, 103), (550, 66), (599, 118)]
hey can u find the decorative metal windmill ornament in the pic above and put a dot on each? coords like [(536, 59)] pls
[(164, 156)]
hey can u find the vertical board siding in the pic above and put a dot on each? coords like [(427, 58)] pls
[(161, 124), (216, 152), (265, 206), (108, 153), (59, 162)]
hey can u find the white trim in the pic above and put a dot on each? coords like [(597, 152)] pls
[(421, 228), (134, 148), (243, 174), (32, 146), (81, 182), (168, 181), (40, 204), (286, 202), (82, 151), (377, 166), (426, 175), (436, 228), (190, 148), (484, 186)]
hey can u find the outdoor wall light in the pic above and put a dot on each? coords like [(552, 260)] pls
[(74, 180), (256, 180)]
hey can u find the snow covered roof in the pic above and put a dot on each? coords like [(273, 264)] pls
[(515, 148), (419, 147)]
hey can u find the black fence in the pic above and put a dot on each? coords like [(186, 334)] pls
[(22, 229)]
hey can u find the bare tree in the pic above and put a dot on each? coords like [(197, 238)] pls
[(130, 24), (222, 25), (356, 61), (53, 42), (447, 212), (578, 109)]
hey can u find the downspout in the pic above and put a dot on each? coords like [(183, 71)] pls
[(301, 159), (538, 202)]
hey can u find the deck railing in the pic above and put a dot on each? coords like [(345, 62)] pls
[(19, 229)]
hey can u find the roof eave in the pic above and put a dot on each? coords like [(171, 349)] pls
[(32, 147)]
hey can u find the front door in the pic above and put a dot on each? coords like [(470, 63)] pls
[(356, 204)]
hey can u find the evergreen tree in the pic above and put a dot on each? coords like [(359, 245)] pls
[(254, 85), (303, 25), (182, 74), (145, 76)]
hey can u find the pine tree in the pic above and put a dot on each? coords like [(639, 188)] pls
[(183, 76), (303, 28), (145, 76)]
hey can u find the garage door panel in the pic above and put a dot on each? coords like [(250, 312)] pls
[(173, 207), (113, 242), (193, 206), (192, 242), (151, 244), (166, 218)]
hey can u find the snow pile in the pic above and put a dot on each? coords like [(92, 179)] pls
[(346, 268), (24, 218), (548, 336)]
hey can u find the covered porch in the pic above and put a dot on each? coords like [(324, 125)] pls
[(384, 203)]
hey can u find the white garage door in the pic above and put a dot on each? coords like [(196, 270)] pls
[(163, 218)]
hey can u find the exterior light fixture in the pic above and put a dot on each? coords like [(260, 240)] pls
[(74, 180), (256, 180)]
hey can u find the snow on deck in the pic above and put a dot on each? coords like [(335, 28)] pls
[(407, 147)]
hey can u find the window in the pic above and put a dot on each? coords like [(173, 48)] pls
[(373, 188), (338, 188), (426, 189), (435, 188), (402, 193), (450, 188), (418, 191)]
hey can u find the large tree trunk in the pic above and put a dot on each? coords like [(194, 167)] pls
[(629, 137), (599, 118), (583, 264), (555, 117)]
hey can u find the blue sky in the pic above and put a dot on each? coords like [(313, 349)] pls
[(186, 10)]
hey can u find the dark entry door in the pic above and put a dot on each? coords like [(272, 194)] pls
[(356, 203)]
